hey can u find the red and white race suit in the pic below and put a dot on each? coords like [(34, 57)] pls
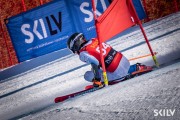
[(116, 64)]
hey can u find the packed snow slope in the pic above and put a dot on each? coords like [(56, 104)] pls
[(30, 95)]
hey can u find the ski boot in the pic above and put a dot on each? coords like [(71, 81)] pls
[(141, 69), (97, 82)]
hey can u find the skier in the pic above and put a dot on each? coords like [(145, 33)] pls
[(116, 64)]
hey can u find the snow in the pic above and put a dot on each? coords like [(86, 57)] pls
[(31, 95)]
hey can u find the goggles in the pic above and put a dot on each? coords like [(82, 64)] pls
[(75, 44)]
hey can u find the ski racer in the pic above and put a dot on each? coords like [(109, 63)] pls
[(116, 64)]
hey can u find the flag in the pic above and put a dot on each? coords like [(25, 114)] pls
[(116, 18)]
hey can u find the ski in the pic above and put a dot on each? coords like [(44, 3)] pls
[(87, 90), (111, 82), (90, 88), (72, 95)]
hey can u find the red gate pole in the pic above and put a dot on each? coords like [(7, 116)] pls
[(144, 34), (100, 44), (23, 5), (41, 2), (176, 6), (5, 39)]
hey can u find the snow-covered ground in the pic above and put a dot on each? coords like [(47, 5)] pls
[(31, 95)]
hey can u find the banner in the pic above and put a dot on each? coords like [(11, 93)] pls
[(82, 15), (139, 9), (46, 28), (40, 31)]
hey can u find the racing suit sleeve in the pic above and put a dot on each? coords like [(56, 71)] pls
[(86, 57)]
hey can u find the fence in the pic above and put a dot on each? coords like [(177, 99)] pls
[(154, 9)]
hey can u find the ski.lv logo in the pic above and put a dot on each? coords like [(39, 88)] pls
[(164, 112)]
